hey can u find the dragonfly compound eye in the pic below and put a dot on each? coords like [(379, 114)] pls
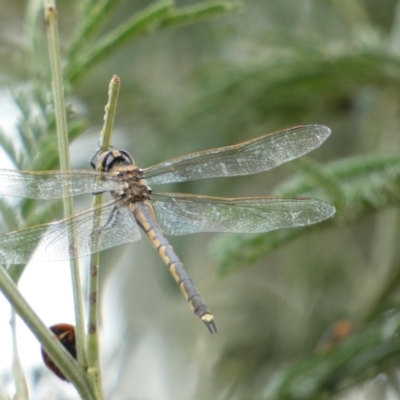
[(65, 333), (115, 158), (110, 159)]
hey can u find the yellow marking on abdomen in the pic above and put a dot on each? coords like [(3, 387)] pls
[(172, 270), (163, 254)]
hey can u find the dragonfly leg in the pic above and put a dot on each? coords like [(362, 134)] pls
[(175, 267), (110, 223)]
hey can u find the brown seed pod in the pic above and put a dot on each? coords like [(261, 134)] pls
[(65, 333)]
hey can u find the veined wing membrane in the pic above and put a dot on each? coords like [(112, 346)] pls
[(256, 155), (49, 184), (50, 241), (182, 214)]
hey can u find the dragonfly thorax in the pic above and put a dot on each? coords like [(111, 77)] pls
[(133, 192), (134, 187)]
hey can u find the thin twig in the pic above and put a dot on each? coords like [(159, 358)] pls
[(63, 148), (92, 345)]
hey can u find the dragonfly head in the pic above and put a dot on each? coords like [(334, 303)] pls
[(110, 159)]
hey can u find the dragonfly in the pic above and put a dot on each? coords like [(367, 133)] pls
[(134, 207)]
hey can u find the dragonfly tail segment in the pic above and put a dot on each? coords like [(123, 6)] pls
[(144, 218)]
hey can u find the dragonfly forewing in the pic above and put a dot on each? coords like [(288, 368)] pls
[(182, 214), (50, 242), (256, 155), (52, 184)]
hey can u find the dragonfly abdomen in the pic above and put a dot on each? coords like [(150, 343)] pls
[(144, 218)]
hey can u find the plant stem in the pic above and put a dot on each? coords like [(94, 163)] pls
[(62, 133), (92, 344)]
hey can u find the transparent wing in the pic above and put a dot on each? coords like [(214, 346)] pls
[(245, 158), (49, 184), (50, 242), (182, 214)]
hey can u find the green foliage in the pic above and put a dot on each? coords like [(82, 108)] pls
[(364, 355)]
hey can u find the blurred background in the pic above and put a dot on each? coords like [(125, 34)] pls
[(303, 313)]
